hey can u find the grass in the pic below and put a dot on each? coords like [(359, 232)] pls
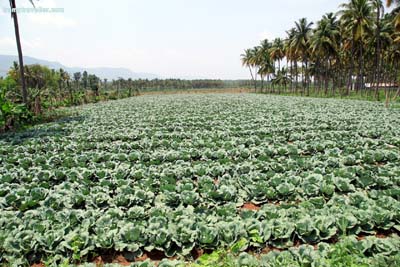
[(366, 96)]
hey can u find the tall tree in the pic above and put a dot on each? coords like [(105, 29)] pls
[(396, 11), (247, 60), (266, 67), (85, 79), (14, 16), (105, 84), (377, 4), (94, 83), (281, 78), (129, 84), (357, 19), (291, 56), (360, 41), (77, 78), (325, 45), (277, 51), (301, 44), (256, 61)]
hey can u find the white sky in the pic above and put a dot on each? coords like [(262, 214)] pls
[(170, 38)]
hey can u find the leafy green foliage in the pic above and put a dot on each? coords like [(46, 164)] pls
[(175, 173), (11, 114)]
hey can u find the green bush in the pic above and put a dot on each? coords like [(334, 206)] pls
[(11, 114)]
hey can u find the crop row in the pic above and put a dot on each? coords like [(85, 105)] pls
[(178, 173), (179, 230)]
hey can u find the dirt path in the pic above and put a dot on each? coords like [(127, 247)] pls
[(200, 91)]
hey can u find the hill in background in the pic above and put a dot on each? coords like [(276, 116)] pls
[(6, 62)]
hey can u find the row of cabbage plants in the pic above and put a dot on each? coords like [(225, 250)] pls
[(177, 173)]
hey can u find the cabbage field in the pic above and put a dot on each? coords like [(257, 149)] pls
[(273, 180)]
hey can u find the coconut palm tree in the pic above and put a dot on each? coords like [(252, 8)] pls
[(357, 20), (77, 79), (266, 66), (257, 61), (277, 52), (396, 11), (247, 60), (281, 78), (325, 46), (360, 41), (301, 44), (291, 56), (14, 16), (253, 58), (105, 84), (378, 6), (85, 81)]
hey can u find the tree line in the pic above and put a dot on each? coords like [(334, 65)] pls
[(355, 50), (28, 92)]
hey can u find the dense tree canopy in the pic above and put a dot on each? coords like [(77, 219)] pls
[(356, 49)]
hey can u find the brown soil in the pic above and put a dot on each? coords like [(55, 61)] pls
[(250, 206), (38, 265), (154, 255), (111, 258), (197, 253), (200, 91), (142, 258), (98, 261), (268, 249), (380, 164), (297, 244), (379, 235), (121, 260), (361, 237)]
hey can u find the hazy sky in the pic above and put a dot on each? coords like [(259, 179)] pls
[(171, 38)]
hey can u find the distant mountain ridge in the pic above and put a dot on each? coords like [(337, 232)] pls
[(6, 61)]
